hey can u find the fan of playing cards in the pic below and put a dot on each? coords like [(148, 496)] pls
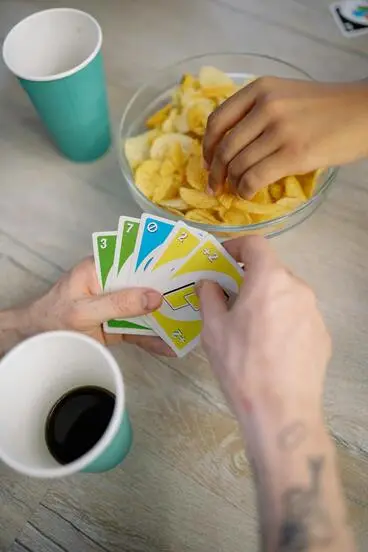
[(172, 258)]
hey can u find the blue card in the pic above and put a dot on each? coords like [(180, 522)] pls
[(152, 234)]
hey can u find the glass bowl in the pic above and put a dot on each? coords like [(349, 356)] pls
[(156, 92)]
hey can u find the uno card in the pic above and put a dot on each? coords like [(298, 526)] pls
[(104, 244), (178, 320), (180, 243), (153, 232), (351, 17), (125, 244), (104, 251)]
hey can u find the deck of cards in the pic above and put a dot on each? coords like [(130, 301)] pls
[(171, 258), (351, 17)]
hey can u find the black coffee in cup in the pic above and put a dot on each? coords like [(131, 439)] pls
[(77, 421)]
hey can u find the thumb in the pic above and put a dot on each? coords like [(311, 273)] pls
[(126, 303), (212, 300)]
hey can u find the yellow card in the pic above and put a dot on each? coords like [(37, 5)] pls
[(178, 321), (181, 242)]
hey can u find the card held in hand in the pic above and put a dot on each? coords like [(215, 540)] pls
[(104, 244), (178, 321)]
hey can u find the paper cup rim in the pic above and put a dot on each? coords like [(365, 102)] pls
[(55, 76), (112, 429)]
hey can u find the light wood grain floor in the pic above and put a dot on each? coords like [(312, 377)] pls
[(186, 484)]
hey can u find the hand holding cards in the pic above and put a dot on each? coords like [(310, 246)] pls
[(172, 258)]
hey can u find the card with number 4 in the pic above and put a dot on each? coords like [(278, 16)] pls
[(104, 244), (178, 321)]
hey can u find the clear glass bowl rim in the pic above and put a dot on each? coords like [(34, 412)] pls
[(127, 173)]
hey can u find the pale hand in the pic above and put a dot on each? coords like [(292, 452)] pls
[(278, 127), (75, 303), (271, 348)]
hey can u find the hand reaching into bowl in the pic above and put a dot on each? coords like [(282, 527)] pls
[(276, 127)]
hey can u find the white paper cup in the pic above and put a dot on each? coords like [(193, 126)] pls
[(33, 376)]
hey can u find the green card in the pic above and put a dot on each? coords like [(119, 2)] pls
[(104, 246)]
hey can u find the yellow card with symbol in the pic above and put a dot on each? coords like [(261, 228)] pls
[(178, 321), (181, 242)]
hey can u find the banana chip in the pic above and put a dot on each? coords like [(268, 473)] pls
[(276, 190), (205, 216), (290, 203), (167, 188), (170, 123), (147, 177), (194, 198), (176, 204), (234, 216), (162, 145), (157, 119), (168, 163), (196, 114), (263, 196), (293, 188), (137, 148), (196, 175), (309, 182), (226, 200), (210, 77)]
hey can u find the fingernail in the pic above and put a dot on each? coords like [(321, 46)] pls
[(151, 300), (209, 191)]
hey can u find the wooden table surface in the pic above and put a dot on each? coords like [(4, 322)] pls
[(186, 485)]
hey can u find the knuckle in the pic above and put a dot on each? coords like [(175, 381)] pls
[(251, 181), (296, 148), (234, 172), (264, 84), (308, 295), (273, 106), (222, 153), (281, 277), (212, 122), (283, 132)]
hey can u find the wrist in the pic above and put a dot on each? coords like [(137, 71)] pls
[(15, 325), (271, 433)]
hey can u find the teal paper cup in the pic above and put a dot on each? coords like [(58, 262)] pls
[(33, 378), (56, 56)]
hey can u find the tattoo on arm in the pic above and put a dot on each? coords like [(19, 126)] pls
[(305, 521)]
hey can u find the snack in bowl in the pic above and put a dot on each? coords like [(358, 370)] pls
[(168, 167)]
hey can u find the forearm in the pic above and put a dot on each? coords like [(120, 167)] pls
[(15, 325), (301, 504)]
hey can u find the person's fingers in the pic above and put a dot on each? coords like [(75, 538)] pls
[(151, 344), (252, 251), (252, 154), (241, 136), (126, 303), (225, 118), (269, 170), (212, 301)]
